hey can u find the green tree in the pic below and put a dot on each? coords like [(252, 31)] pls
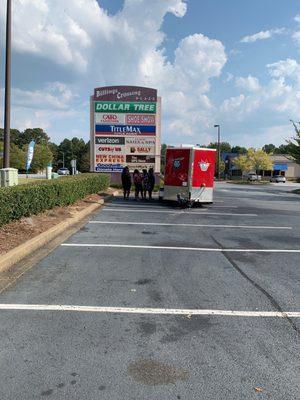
[(84, 165), (239, 150), (269, 148), (243, 163), (54, 150), (36, 134), (163, 157), (260, 160), (294, 144), (15, 135), (225, 147), (282, 149), (22, 138), (222, 167), (42, 156), (72, 149), (17, 157)]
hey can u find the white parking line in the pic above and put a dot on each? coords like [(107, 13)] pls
[(204, 212), (155, 311), (192, 225), (150, 207), (208, 249)]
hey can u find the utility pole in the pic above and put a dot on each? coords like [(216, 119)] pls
[(7, 87), (219, 150)]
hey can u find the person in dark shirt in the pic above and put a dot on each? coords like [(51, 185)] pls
[(145, 184), (137, 180), (126, 182), (151, 182)]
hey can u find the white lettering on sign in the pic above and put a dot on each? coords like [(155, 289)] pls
[(113, 107), (140, 119), (128, 94), (125, 129), (141, 141), (105, 92), (144, 107)]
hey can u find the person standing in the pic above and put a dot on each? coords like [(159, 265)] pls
[(151, 182), (145, 184), (126, 182), (137, 180)]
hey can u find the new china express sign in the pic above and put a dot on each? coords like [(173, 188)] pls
[(122, 114)]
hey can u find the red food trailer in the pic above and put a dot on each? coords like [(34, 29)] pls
[(189, 174)]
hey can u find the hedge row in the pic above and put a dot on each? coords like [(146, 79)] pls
[(24, 200)]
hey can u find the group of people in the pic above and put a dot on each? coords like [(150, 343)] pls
[(143, 183)]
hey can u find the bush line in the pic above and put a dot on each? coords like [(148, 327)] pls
[(25, 200)]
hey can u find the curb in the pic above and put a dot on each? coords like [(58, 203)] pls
[(15, 255)]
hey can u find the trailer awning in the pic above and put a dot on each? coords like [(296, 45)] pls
[(280, 167)]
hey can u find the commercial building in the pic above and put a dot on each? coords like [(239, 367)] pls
[(282, 165)]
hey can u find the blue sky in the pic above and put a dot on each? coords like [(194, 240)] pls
[(230, 62)]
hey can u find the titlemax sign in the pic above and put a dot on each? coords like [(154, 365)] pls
[(125, 129)]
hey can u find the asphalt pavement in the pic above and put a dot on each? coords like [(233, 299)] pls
[(148, 301)]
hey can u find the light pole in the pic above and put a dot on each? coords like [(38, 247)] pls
[(7, 87), (219, 150)]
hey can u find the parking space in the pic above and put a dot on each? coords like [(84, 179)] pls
[(153, 302)]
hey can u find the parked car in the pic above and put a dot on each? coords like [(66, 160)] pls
[(63, 171), (253, 177), (278, 178)]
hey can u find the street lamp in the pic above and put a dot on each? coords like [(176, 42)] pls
[(7, 88), (219, 150)]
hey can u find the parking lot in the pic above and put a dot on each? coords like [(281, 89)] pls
[(148, 301)]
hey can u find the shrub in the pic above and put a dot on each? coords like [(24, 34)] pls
[(24, 200)]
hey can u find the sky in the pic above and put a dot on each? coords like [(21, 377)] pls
[(229, 62)]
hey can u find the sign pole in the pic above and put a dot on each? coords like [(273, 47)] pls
[(219, 151), (6, 149)]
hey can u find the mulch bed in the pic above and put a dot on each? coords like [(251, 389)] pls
[(17, 232)]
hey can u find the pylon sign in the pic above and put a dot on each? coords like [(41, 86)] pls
[(125, 128)]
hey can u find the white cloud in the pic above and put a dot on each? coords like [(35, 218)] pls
[(250, 84), (229, 77), (280, 96), (288, 68), (297, 18), (125, 48), (40, 108), (239, 107), (258, 137), (296, 38), (55, 96), (262, 35)]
